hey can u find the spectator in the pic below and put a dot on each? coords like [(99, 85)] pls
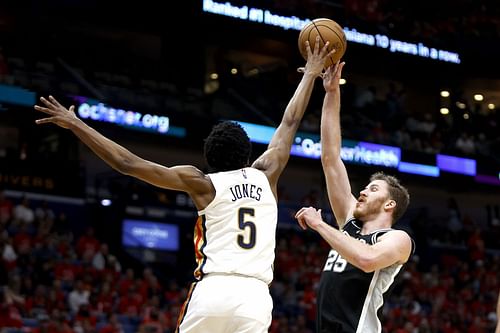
[(7, 252), (78, 296), (44, 212), (103, 259), (23, 213)]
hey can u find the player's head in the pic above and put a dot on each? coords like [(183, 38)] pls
[(227, 147), (384, 194)]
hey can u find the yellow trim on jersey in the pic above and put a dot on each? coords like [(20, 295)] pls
[(199, 243)]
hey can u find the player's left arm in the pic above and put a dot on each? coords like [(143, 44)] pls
[(392, 247)]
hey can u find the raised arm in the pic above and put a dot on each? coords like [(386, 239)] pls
[(182, 178), (337, 181), (275, 158)]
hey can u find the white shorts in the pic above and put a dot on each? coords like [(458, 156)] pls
[(227, 304)]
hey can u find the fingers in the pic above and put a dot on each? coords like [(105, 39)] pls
[(334, 72), (339, 69), (53, 100), (325, 49), (329, 71), (336, 67), (44, 110), (308, 49), (47, 103), (44, 121), (316, 45), (300, 212), (72, 109), (302, 224)]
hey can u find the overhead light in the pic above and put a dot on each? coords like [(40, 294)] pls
[(234, 71), (342, 81), (466, 116), (491, 106), (106, 202), (214, 76), (478, 97), (460, 105), (445, 93), (444, 110)]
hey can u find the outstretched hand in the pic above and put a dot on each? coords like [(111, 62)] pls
[(58, 114), (316, 58), (331, 78), (309, 217)]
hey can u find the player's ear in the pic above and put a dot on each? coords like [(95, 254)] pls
[(390, 204)]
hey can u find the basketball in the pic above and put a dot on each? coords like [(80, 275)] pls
[(328, 30)]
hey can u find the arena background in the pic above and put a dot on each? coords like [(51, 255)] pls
[(61, 206)]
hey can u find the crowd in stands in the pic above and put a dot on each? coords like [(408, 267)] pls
[(55, 280)]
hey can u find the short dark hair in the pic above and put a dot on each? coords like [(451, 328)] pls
[(397, 192), (227, 147)]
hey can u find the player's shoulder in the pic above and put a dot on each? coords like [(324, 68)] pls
[(393, 234), (400, 237), (190, 171)]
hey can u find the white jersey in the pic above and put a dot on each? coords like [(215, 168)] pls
[(235, 233)]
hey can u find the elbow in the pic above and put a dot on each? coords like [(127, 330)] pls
[(366, 263), (326, 159), (124, 166), (329, 158)]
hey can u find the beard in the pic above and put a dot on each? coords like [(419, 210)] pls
[(357, 213), (368, 209)]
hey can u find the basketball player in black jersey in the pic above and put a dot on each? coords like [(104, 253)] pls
[(366, 253)]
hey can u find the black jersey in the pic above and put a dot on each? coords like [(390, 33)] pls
[(349, 299)]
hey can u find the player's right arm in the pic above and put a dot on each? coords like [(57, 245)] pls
[(274, 159), (181, 178), (337, 181)]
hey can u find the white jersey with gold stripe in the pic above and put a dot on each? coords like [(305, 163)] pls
[(235, 233)]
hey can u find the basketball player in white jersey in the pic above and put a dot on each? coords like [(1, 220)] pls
[(366, 253), (237, 204)]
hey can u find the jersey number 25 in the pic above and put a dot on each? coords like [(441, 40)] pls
[(335, 262)]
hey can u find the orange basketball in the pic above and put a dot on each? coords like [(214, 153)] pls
[(328, 30)]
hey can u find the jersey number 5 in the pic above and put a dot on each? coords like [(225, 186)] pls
[(335, 262), (242, 224)]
